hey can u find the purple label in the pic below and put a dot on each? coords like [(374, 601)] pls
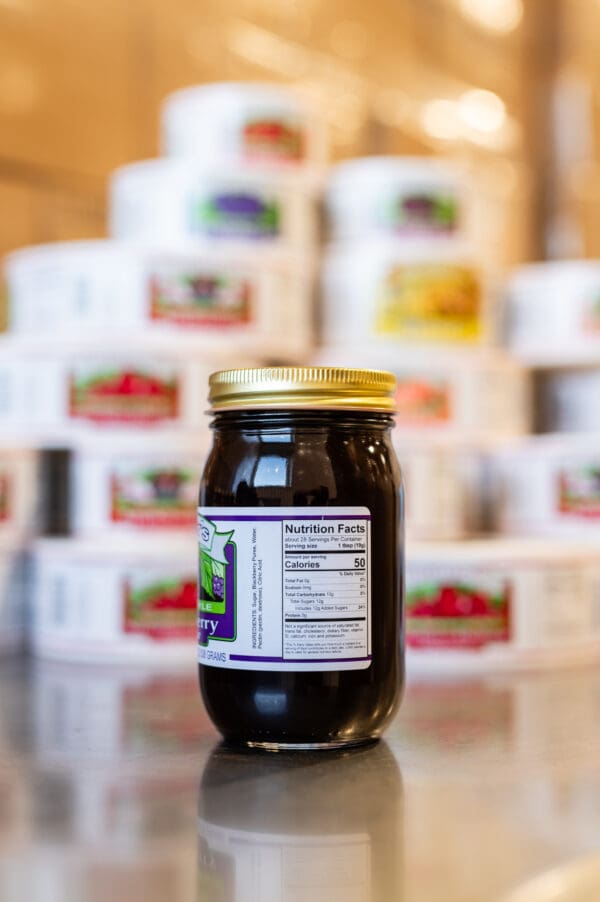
[(217, 596), (238, 214)]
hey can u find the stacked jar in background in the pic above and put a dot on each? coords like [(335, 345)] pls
[(538, 584), (402, 291), (209, 265), (549, 484)]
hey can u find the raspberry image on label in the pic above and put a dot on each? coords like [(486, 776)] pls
[(123, 395), (453, 614)]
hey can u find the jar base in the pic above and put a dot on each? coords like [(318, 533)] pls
[(270, 746)]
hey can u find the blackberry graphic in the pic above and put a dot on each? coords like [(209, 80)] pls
[(218, 586)]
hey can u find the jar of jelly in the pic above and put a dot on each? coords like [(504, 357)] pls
[(300, 586)]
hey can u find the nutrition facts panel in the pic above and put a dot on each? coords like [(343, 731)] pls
[(285, 588), (326, 589)]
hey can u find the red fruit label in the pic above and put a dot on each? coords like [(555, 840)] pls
[(198, 298), (273, 141), (421, 402), (160, 608), (4, 497), (578, 492), (159, 496), (124, 396), (453, 614)]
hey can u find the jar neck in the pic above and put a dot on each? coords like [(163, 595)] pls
[(243, 420)]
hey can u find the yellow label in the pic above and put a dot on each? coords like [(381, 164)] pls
[(430, 301)]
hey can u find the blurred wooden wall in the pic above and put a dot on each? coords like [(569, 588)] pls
[(81, 83)]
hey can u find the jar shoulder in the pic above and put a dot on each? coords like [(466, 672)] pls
[(313, 467)]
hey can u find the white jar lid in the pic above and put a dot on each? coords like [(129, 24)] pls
[(555, 278), (371, 173), (105, 251), (120, 549), (131, 445), (388, 251), (186, 349), (414, 356), (163, 171), (225, 122), (218, 93), (561, 444), (57, 251), (500, 552)]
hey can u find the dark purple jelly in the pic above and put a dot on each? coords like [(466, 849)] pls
[(325, 459)]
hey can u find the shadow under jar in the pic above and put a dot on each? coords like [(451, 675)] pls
[(301, 558)]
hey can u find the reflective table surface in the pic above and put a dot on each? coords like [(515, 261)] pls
[(113, 786)]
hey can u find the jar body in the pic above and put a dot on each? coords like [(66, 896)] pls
[(324, 461)]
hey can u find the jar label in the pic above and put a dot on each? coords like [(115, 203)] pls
[(195, 297), (272, 140), (435, 301), (159, 608), (237, 214), (422, 212), (123, 395), (579, 491), (422, 400), (456, 613), (153, 496), (284, 588)]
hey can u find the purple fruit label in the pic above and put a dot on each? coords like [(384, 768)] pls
[(216, 584), (237, 214)]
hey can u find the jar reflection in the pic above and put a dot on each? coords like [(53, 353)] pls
[(300, 828)]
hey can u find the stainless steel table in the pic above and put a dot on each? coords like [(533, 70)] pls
[(113, 786)]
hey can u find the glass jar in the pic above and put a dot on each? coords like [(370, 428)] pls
[(301, 558)]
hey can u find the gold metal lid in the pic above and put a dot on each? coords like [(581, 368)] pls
[(304, 387)]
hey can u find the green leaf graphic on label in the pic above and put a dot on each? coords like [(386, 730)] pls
[(217, 583)]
